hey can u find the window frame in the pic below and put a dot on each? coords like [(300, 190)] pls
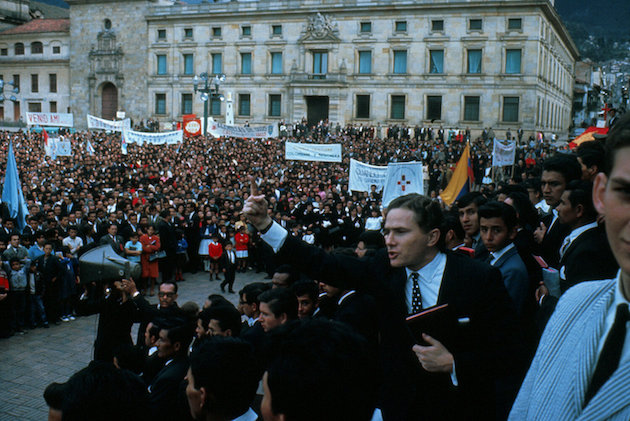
[(357, 106), (468, 63), (160, 38), (365, 27), (429, 117), (160, 98), (395, 64), (246, 63), (157, 69), (431, 61), (18, 48), (400, 22), (52, 83), (393, 101), (39, 49), (470, 25), (360, 70), (246, 31), (186, 71), (503, 108), (434, 23), (273, 69), (471, 97), (187, 99), (507, 53), (241, 101), (270, 110), (520, 24)]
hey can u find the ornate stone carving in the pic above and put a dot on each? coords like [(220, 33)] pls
[(320, 28), (106, 57)]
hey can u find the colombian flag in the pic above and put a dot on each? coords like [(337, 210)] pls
[(462, 180)]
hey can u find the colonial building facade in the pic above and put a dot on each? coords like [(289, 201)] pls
[(505, 64), (34, 57)]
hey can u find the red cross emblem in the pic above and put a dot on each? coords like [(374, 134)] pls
[(403, 182)]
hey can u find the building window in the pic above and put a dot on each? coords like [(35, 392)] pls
[(475, 24), (187, 103), (276, 30), (510, 109), (52, 82), (246, 63), (434, 108), (56, 49), (471, 108), (107, 24), (275, 105), (320, 64), (216, 32), (188, 33), (244, 105), (474, 61), (400, 26), (215, 106), (365, 62), (246, 31), (19, 49), (436, 59), (37, 47), (161, 64), (34, 83), (189, 68), (400, 62), (515, 24), (513, 61), (365, 27), (160, 103), (397, 111), (4, 51), (53, 106), (437, 25), (34, 107), (217, 63), (276, 63), (16, 82), (161, 34), (363, 106)]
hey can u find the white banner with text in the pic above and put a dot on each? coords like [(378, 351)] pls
[(313, 152), (49, 119), (102, 124), (165, 138), (503, 153), (363, 176)]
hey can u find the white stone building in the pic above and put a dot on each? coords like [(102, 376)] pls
[(35, 58), (456, 63)]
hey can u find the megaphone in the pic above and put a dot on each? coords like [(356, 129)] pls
[(103, 264)]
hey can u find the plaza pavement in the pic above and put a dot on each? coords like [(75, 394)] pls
[(28, 363)]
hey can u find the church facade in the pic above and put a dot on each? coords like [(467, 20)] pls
[(501, 64)]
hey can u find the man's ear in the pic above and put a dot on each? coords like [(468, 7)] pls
[(599, 191), (513, 233), (434, 237), (177, 346), (283, 318)]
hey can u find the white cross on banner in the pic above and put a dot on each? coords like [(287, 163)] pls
[(402, 178)]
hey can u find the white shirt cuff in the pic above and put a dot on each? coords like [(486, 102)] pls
[(275, 236), (454, 376)]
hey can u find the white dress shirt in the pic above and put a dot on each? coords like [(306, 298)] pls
[(496, 255), (430, 280)]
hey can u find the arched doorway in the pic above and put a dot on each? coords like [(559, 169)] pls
[(109, 101)]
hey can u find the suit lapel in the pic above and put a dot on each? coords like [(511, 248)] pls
[(587, 353), (612, 397), (447, 286)]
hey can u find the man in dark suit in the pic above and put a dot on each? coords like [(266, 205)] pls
[(585, 253), (169, 245), (113, 239), (228, 262), (174, 340), (558, 171), (450, 380)]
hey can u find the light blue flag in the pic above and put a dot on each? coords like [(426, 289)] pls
[(90, 148), (12, 192)]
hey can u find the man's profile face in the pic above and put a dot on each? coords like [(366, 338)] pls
[(495, 234), (552, 184), (612, 199), (566, 213), (167, 295), (214, 329), (248, 309), (306, 306), (469, 219), (406, 243), (166, 349), (268, 320)]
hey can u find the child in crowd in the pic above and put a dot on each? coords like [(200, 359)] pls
[(181, 255), (36, 292), (215, 251)]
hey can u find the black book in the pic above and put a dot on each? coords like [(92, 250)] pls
[(437, 322)]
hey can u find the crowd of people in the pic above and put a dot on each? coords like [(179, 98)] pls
[(344, 274)]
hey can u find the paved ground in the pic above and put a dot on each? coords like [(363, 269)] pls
[(30, 362)]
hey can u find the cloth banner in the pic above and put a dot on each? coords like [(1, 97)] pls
[(254, 132), (12, 194), (102, 124), (58, 146), (165, 138), (503, 153), (402, 178), (313, 152), (49, 119), (363, 176)]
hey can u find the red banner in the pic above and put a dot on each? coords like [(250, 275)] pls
[(192, 125)]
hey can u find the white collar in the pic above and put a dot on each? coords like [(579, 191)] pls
[(428, 270), (496, 255), (573, 235), (346, 295)]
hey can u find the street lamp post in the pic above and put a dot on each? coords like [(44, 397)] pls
[(209, 91), (12, 88)]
